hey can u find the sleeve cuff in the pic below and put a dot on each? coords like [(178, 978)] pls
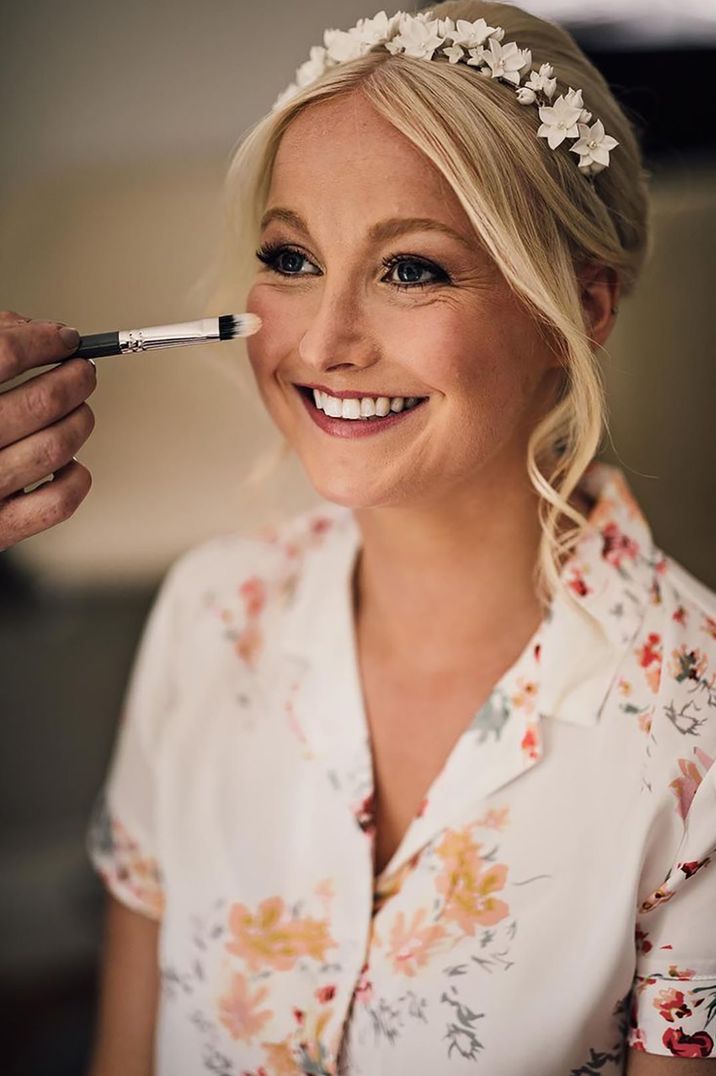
[(674, 1016), (128, 872)]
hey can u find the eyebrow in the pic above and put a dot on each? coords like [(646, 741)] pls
[(390, 228)]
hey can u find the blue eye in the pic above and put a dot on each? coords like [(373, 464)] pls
[(286, 261)]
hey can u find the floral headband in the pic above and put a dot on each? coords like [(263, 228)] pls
[(479, 46)]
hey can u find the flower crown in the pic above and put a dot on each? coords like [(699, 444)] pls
[(480, 46)]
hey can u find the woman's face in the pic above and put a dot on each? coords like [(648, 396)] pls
[(377, 287)]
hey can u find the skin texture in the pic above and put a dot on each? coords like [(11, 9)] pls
[(43, 422)]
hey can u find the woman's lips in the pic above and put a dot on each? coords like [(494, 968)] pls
[(354, 427)]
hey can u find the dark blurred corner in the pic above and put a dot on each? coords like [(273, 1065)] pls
[(86, 235)]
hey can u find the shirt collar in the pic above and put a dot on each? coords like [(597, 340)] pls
[(611, 577)]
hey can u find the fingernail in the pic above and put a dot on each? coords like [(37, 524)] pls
[(93, 363), (69, 337)]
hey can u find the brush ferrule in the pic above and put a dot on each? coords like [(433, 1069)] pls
[(156, 336)]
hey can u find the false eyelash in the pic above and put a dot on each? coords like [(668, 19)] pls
[(268, 253)]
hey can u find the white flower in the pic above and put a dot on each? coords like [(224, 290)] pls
[(499, 34), (526, 96), (417, 37), (507, 61), (574, 97), (584, 116), (542, 82), (454, 53), (285, 96), (593, 146), (343, 45), (472, 34), (379, 28), (312, 68), (446, 27), (559, 121)]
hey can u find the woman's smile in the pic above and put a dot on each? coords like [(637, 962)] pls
[(384, 413)]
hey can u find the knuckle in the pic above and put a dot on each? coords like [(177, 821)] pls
[(40, 396), (50, 450), (10, 357)]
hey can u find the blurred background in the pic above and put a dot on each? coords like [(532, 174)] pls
[(117, 123)]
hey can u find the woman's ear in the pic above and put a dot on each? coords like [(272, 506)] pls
[(599, 290)]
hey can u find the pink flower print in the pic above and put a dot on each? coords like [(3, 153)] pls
[(238, 1010), (680, 1044), (530, 743), (253, 594), (325, 994), (692, 774), (495, 818), (320, 525), (617, 546), (410, 947), (690, 868), (578, 584), (675, 972), (670, 1004), (709, 626), (649, 656), (687, 664), (680, 615), (365, 814), (364, 988), (659, 896)]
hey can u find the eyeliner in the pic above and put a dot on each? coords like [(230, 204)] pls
[(130, 341)]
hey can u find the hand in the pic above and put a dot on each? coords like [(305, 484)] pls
[(43, 422)]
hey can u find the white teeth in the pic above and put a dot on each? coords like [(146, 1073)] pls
[(362, 407)]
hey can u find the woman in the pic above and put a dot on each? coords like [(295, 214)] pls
[(422, 781)]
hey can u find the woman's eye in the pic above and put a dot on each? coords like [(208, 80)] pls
[(284, 260), (411, 272), (404, 272)]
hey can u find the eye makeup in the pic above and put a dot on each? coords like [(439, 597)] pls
[(270, 253)]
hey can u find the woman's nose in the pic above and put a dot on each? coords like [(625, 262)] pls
[(338, 332)]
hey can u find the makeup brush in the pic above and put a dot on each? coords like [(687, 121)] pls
[(129, 341)]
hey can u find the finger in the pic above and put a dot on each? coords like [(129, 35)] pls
[(25, 514), (33, 343), (43, 453), (44, 399), (11, 317)]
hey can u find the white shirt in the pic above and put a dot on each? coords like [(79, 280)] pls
[(551, 900)]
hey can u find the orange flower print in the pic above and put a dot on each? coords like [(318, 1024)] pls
[(272, 939), (675, 972), (524, 697), (238, 1009), (467, 888), (670, 1004), (709, 626), (410, 947), (280, 1060), (495, 818), (687, 664), (692, 774), (253, 594), (649, 656)]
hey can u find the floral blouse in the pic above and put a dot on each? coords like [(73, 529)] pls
[(552, 900)]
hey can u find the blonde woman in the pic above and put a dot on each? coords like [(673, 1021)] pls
[(422, 780)]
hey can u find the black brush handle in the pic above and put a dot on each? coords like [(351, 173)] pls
[(97, 345)]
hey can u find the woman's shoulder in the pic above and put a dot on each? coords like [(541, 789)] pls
[(241, 576)]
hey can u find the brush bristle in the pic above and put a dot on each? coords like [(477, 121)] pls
[(233, 325)]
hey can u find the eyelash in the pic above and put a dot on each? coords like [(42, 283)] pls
[(269, 254)]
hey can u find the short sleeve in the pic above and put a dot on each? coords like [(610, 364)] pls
[(122, 838), (674, 993)]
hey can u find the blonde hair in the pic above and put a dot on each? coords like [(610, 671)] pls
[(540, 218)]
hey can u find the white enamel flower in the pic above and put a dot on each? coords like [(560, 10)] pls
[(285, 96), (471, 34), (559, 121), (542, 81), (454, 53), (312, 68), (373, 30), (574, 97), (343, 45), (506, 61), (593, 145), (417, 37), (525, 95)]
